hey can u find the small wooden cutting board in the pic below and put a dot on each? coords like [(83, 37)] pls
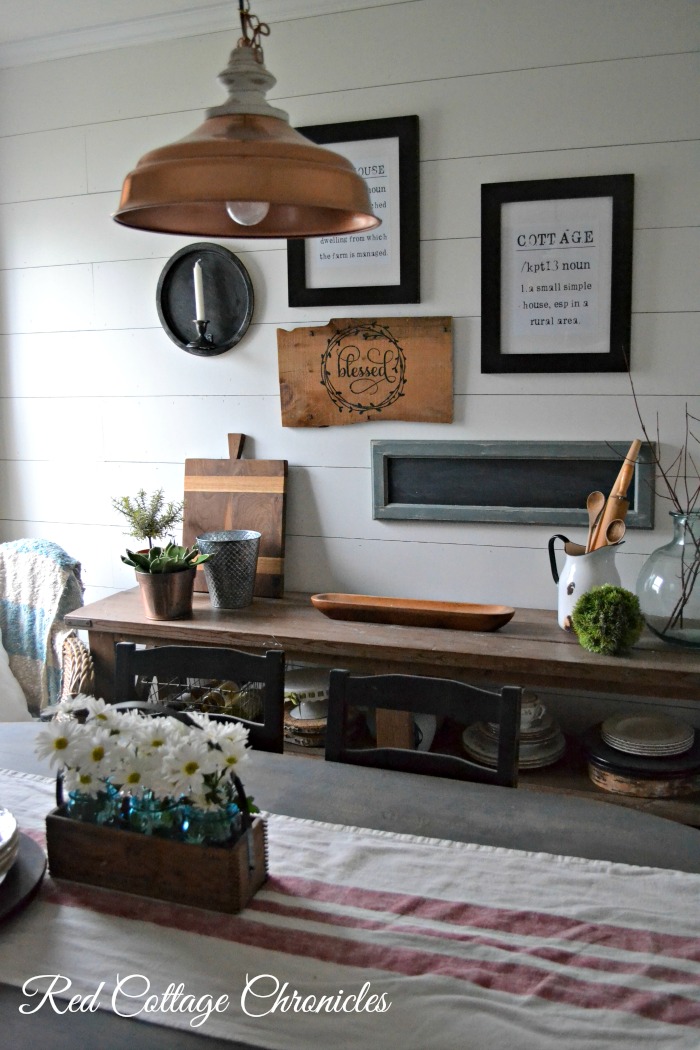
[(234, 493)]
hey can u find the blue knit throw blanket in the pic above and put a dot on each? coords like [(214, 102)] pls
[(39, 585)]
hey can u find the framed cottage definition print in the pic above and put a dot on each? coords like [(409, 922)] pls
[(556, 275), (375, 266)]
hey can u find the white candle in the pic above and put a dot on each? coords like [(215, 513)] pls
[(199, 292)]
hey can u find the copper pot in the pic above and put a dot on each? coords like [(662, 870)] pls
[(167, 595)]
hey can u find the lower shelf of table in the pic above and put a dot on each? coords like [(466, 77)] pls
[(569, 776)]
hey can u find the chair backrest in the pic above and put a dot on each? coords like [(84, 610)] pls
[(435, 696), (211, 663)]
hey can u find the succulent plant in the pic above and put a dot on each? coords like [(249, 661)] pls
[(607, 619), (170, 558)]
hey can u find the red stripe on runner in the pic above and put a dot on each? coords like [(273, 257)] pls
[(36, 836), (512, 978), (528, 923), (561, 956)]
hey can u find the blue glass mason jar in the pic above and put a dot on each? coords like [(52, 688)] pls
[(102, 808), (210, 827), (149, 815)]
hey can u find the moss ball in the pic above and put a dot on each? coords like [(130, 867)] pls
[(607, 619)]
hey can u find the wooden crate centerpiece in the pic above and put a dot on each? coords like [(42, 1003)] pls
[(154, 806), (220, 878)]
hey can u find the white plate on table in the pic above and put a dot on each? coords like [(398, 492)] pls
[(9, 842), (9, 855), (8, 827)]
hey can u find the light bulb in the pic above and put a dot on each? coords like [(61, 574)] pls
[(247, 213)]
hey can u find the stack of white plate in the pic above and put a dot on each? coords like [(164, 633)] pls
[(542, 742), (654, 736), (9, 841), (480, 741)]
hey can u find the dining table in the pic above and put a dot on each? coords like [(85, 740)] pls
[(400, 911)]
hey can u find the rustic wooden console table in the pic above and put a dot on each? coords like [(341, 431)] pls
[(531, 651)]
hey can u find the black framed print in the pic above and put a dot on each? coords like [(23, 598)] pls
[(376, 266), (556, 274)]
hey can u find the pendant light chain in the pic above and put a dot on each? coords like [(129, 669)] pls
[(252, 29)]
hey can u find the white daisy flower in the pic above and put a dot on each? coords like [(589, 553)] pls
[(94, 750), (58, 742), (203, 725), (97, 710), (153, 734), (235, 732), (200, 718), (231, 737), (138, 773), (66, 708), (84, 781), (187, 762), (197, 796), (233, 751), (118, 722), (135, 754)]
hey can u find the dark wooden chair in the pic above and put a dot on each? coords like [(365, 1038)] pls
[(183, 663), (435, 696)]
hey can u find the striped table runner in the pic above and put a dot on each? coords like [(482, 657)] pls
[(366, 939)]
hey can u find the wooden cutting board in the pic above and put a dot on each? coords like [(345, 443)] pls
[(234, 493)]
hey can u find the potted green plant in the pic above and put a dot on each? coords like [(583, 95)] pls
[(149, 517), (165, 576)]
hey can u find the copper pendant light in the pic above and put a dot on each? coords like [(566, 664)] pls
[(245, 172)]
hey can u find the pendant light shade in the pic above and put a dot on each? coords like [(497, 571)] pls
[(245, 172)]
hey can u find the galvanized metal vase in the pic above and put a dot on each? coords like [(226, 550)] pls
[(230, 571)]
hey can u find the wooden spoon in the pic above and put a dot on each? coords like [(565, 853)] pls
[(617, 503), (594, 505), (615, 531)]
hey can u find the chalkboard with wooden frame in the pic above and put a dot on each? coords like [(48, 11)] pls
[(523, 482)]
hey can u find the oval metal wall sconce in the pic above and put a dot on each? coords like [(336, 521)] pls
[(205, 299)]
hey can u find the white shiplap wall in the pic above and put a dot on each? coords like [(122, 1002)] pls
[(95, 399)]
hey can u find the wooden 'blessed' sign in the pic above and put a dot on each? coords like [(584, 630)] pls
[(353, 370)]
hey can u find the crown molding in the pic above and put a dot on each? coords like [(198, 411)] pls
[(197, 20)]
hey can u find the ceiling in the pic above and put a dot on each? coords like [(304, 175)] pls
[(37, 30)]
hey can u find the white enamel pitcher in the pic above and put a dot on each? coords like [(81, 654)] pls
[(581, 572)]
